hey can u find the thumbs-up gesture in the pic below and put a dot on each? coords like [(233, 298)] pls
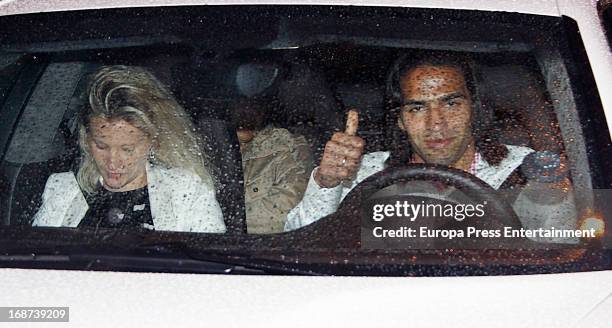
[(342, 155)]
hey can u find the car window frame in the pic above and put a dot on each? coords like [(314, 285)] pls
[(297, 240)]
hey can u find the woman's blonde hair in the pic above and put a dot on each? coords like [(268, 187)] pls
[(136, 96)]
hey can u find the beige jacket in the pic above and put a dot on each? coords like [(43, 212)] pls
[(179, 202), (276, 166)]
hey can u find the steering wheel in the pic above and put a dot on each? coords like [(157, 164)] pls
[(499, 212)]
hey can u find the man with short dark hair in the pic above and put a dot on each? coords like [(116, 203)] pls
[(440, 121)]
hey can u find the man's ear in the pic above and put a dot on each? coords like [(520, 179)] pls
[(400, 124)]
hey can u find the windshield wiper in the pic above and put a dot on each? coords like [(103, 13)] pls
[(153, 257), (237, 263), (93, 261)]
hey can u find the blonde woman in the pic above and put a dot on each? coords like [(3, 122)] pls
[(141, 164)]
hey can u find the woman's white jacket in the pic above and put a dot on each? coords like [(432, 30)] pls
[(179, 201)]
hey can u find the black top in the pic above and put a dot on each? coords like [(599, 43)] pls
[(109, 209)]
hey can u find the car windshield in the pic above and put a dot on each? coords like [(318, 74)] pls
[(334, 140)]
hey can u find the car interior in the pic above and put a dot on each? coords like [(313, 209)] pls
[(309, 96)]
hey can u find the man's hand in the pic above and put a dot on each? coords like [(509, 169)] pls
[(342, 155)]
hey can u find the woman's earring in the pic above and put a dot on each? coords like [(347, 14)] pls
[(151, 154)]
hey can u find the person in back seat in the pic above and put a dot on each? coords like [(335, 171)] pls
[(276, 166), (141, 164)]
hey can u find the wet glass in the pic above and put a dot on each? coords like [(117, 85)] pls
[(264, 103)]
